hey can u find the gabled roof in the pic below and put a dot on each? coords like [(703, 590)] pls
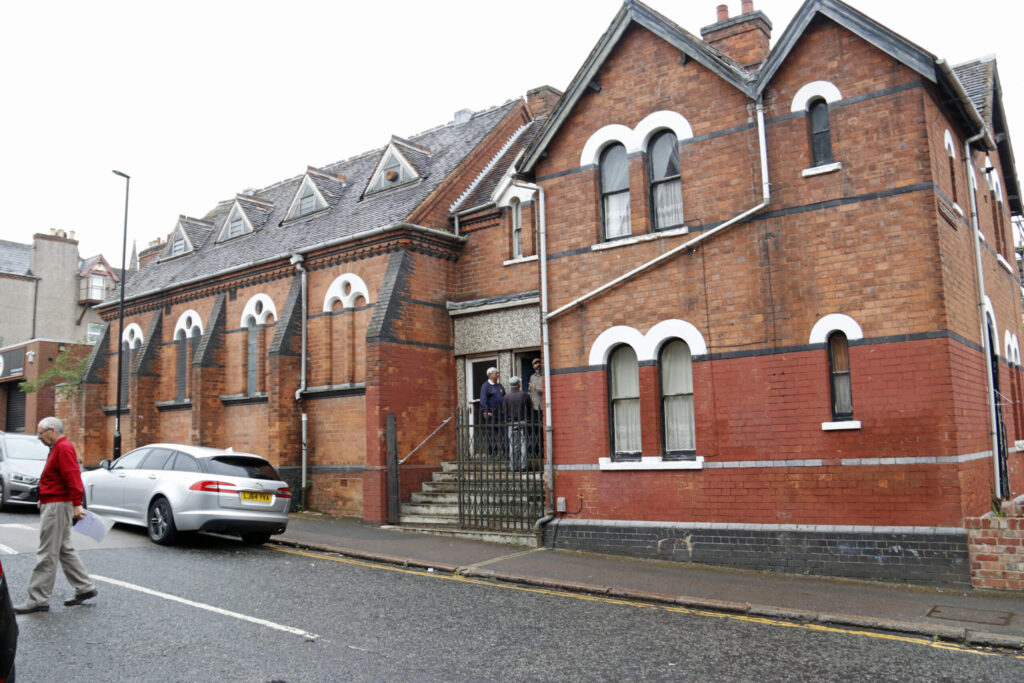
[(480, 191), (98, 264), (634, 12), (449, 145), (413, 159), (15, 258), (980, 79)]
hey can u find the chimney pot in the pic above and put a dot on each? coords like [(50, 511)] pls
[(723, 12), (747, 6)]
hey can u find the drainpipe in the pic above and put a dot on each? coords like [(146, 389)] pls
[(985, 341), (549, 468), (296, 261), (690, 244)]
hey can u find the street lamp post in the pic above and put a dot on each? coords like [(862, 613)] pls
[(120, 319)]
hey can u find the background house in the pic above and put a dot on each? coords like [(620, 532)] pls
[(46, 305)]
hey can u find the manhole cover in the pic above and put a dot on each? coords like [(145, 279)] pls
[(975, 616)]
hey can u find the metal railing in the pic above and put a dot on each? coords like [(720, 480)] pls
[(501, 478)]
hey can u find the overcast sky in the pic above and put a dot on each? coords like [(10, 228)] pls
[(199, 100)]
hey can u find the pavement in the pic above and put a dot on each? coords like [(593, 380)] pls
[(973, 617)]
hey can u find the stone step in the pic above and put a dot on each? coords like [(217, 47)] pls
[(521, 538), (440, 486), (439, 510), (450, 497), (429, 520)]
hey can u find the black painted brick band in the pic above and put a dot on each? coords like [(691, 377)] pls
[(932, 559)]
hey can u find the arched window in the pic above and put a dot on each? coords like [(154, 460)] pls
[(252, 356), (624, 395), (126, 371), (666, 189), (839, 373), (676, 371), (181, 365), (615, 192), (516, 210), (821, 132)]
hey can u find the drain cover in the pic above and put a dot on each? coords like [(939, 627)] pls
[(975, 616)]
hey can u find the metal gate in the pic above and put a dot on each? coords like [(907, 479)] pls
[(501, 483)]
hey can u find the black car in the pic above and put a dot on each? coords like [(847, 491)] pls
[(8, 631)]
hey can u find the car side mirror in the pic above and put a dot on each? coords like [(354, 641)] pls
[(105, 464)]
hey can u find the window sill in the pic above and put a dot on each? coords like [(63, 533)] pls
[(646, 237), (1004, 264), (651, 463), (840, 426), (821, 170), (521, 259), (112, 410), (242, 399), (183, 404)]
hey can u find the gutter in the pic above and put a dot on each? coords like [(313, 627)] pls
[(392, 227)]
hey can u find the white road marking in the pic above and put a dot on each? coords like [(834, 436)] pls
[(217, 610), (19, 526), (7, 550)]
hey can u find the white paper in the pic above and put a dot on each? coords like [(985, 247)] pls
[(93, 526)]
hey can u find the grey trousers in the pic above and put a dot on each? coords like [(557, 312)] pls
[(55, 520)]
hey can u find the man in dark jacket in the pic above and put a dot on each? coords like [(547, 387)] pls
[(491, 394), (518, 411), (61, 495)]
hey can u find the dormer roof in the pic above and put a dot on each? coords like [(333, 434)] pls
[(402, 162), (98, 265), (189, 234)]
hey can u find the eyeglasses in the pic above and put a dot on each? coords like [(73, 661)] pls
[(44, 431)]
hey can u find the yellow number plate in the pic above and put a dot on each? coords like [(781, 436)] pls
[(256, 497)]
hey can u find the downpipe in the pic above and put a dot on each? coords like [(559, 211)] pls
[(296, 261)]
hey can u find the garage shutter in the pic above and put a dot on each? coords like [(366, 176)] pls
[(15, 408)]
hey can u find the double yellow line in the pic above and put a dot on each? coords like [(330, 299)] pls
[(642, 605)]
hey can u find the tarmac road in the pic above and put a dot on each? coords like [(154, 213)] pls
[(214, 609)]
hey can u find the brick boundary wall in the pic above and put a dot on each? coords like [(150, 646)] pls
[(997, 552), (937, 557)]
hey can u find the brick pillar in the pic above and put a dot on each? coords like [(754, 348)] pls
[(650, 411), (208, 377), (145, 385)]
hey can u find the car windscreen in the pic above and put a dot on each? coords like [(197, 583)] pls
[(26, 449), (241, 466)]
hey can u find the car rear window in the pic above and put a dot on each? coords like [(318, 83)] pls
[(241, 466), (27, 449)]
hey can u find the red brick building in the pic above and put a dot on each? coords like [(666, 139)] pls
[(773, 288)]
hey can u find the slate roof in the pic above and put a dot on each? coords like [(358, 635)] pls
[(479, 192), (15, 258), (350, 214), (978, 79)]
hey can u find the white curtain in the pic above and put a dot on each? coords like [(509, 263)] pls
[(626, 400), (677, 390), (668, 203), (616, 215)]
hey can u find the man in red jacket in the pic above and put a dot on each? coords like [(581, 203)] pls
[(61, 495)]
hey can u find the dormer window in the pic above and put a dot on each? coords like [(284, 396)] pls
[(307, 200), (393, 170), (236, 225), (178, 243)]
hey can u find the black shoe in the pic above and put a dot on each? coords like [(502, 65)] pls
[(80, 598), (29, 609)]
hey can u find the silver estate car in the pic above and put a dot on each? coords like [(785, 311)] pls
[(169, 488), (22, 457)]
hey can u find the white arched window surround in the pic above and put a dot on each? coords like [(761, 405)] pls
[(647, 345), (947, 142), (182, 325), (812, 91), (266, 310), (1012, 346), (634, 139), (132, 336), (832, 322), (347, 289), (990, 314)]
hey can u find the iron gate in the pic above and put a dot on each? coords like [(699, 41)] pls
[(501, 482)]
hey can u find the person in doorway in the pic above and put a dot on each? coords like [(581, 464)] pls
[(536, 389), (61, 497), (518, 411), (491, 395)]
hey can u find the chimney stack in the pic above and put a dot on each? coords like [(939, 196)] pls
[(745, 38)]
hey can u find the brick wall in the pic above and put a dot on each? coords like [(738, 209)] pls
[(996, 551)]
